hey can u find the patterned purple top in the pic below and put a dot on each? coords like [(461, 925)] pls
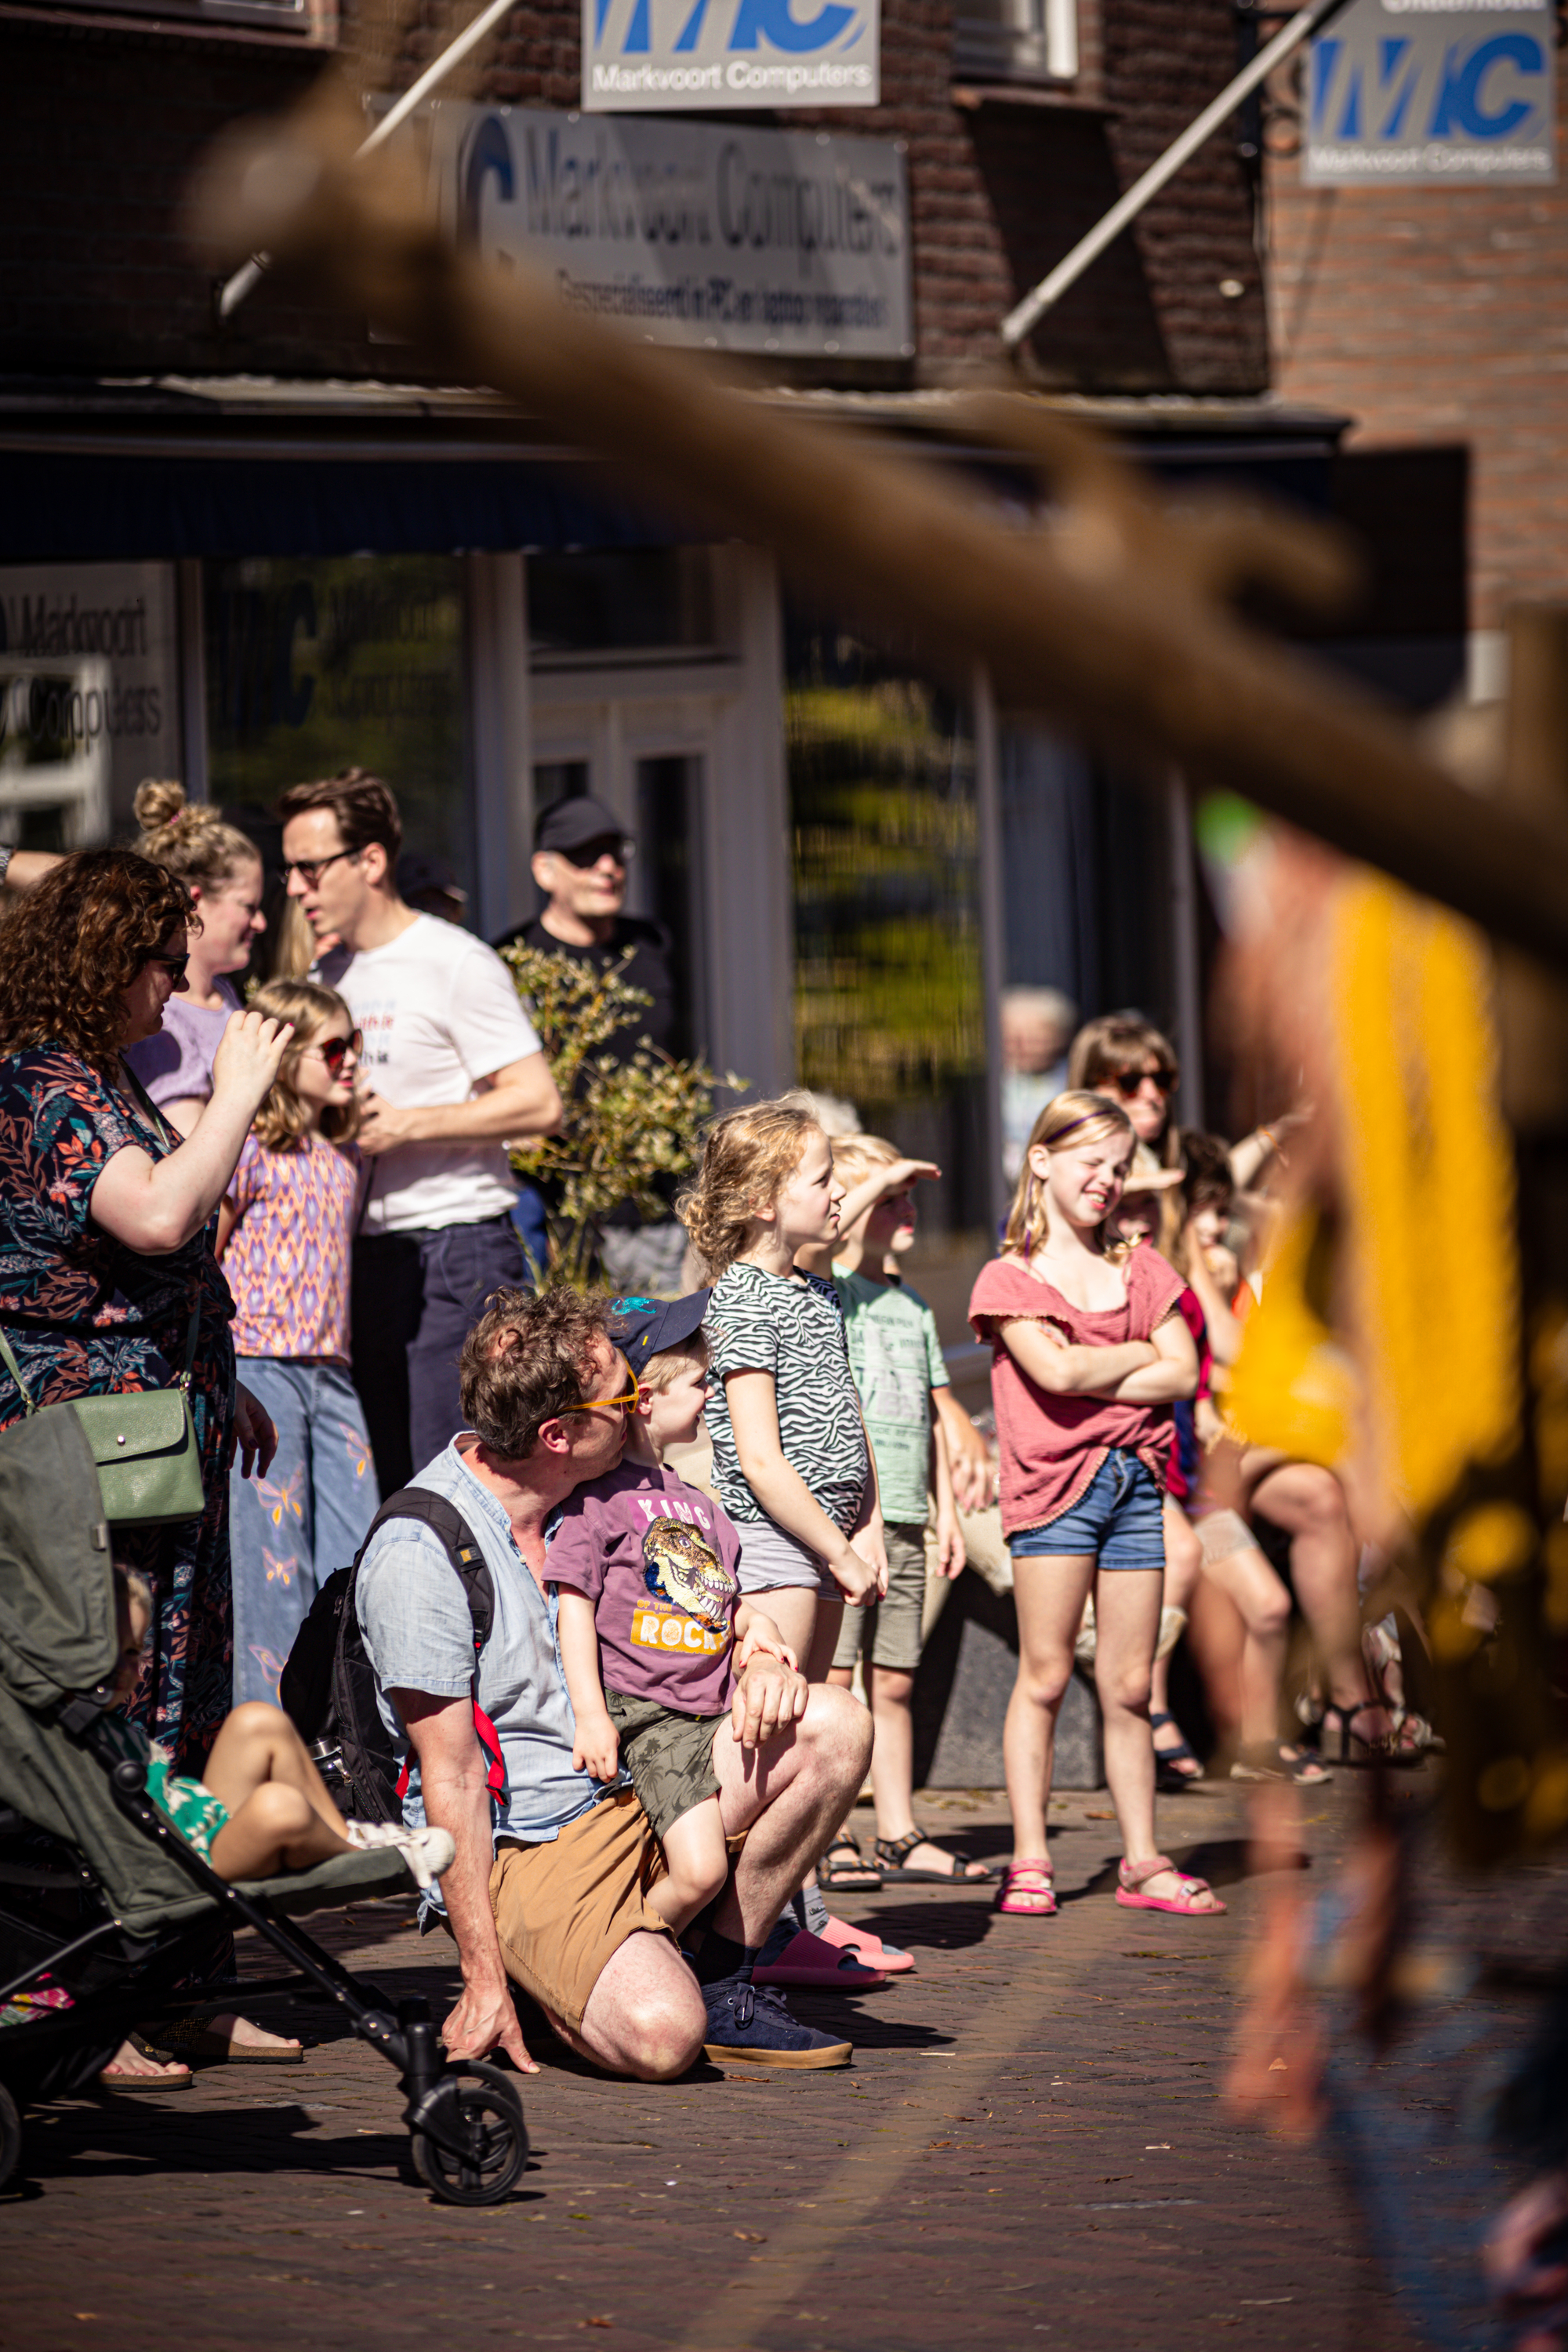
[(288, 1258)]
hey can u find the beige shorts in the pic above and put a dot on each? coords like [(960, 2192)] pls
[(564, 1909), (890, 1628)]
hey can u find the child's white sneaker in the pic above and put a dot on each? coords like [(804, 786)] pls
[(427, 1852)]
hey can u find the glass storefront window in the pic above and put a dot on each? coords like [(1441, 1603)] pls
[(613, 602), (888, 1002), (354, 661)]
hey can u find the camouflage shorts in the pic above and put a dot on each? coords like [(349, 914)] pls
[(669, 1756)]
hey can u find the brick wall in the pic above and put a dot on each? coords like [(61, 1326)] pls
[(98, 129), (1437, 314)]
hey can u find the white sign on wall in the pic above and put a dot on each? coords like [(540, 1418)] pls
[(717, 235), (675, 57), (1431, 92), (88, 695)]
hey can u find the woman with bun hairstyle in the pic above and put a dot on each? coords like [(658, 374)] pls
[(1089, 1352), (221, 868)]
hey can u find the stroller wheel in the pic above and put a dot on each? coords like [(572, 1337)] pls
[(482, 2145), (10, 2136)]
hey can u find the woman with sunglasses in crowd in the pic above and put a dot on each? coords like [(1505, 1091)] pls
[(285, 1234)]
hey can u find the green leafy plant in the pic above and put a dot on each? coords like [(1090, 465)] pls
[(629, 1125)]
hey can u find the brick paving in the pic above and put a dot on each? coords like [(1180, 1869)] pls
[(1029, 2148)]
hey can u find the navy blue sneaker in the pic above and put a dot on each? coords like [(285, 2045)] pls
[(750, 2023)]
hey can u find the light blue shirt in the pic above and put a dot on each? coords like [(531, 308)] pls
[(418, 1635)]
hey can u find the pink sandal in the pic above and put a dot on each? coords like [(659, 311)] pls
[(1022, 1900), (1134, 1875)]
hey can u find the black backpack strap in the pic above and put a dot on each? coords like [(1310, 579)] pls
[(444, 1519)]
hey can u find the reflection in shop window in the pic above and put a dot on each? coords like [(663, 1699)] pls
[(357, 661), (889, 1009)]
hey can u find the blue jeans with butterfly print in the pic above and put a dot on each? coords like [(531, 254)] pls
[(308, 1515)]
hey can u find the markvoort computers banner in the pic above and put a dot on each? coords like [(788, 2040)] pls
[(717, 235), (677, 56), (1433, 92)]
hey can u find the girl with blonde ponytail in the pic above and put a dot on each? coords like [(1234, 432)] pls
[(1088, 1353), (221, 867)]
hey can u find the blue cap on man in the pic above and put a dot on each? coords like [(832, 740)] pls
[(642, 1328)]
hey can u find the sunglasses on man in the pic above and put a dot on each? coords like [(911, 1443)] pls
[(588, 852), (627, 1403)]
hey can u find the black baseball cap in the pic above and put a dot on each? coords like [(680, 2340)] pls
[(642, 1328), (572, 824)]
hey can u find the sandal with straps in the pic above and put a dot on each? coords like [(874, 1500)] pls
[(1133, 1876), (891, 1858), (844, 1869), (1169, 1777), (1021, 1900), (1354, 1751)]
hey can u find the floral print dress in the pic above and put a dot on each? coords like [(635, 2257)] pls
[(86, 1317)]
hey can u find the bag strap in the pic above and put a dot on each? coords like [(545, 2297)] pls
[(15, 1369), (168, 1136), (444, 1519)]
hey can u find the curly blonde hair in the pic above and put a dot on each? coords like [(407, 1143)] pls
[(1076, 1116), (76, 941), (283, 1118), (748, 1158), (188, 838)]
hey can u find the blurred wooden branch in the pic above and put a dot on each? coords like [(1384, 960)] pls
[(1111, 621)]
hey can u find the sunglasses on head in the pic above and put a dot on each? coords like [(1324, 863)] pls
[(1127, 1082), (333, 1050)]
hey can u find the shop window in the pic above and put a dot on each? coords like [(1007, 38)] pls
[(89, 698), (1024, 40), (358, 661), (888, 1007), (665, 880), (310, 22), (618, 602)]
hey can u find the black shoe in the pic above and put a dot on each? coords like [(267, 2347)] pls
[(750, 2023)]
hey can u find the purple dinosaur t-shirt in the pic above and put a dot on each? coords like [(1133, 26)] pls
[(658, 1559)]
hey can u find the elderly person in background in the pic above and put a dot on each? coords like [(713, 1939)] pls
[(105, 1240), (1037, 1024)]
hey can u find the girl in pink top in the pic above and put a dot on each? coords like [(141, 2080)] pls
[(284, 1234), (1089, 1352)]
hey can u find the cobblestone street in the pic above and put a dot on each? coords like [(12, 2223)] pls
[(1029, 2146)]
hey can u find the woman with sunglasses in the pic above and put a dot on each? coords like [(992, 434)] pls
[(1124, 1057), (286, 1236), (105, 1251)]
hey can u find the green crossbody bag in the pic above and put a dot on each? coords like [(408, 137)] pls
[(144, 1441)]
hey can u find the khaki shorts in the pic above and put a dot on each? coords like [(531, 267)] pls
[(890, 1628), (669, 1756), (564, 1909)]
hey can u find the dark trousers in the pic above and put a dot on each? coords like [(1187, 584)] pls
[(415, 1298)]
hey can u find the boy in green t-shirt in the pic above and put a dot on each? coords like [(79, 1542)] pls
[(895, 1358)]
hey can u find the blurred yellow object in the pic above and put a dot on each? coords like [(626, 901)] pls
[(1421, 1286)]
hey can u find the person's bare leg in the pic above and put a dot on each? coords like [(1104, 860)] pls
[(697, 1861), (1184, 1565), (809, 1622), (259, 1744), (1127, 1622), (275, 1827), (790, 1796), (1050, 1593), (645, 2016), (1264, 1607), (893, 1756), (1309, 1503)]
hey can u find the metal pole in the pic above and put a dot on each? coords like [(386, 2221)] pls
[(1033, 308), (249, 275)]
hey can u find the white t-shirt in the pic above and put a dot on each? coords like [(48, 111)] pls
[(438, 1012)]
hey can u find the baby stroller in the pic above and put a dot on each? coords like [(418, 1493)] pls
[(103, 1909)]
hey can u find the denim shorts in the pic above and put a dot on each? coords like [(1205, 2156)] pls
[(1118, 1516)]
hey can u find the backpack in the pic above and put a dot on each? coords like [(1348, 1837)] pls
[(328, 1686)]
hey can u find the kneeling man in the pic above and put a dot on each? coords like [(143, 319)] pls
[(553, 1872)]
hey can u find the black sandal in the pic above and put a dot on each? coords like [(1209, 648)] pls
[(890, 1853), (850, 1875), (1355, 1753), (1167, 1780)]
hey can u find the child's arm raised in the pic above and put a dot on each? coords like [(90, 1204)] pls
[(1173, 1375), (877, 1184), (596, 1749), (1062, 1368), (780, 1488)]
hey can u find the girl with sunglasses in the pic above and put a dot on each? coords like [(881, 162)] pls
[(285, 1235)]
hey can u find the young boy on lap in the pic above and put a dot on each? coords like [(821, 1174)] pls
[(652, 1626)]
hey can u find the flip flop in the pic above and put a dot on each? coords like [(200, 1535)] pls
[(189, 2038), (891, 1852), (810, 1961), (108, 2080), (1134, 1875), (868, 1945)]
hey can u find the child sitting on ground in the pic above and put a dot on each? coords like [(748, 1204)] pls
[(262, 1806), (644, 1571), (896, 1357)]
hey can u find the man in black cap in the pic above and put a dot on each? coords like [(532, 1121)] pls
[(580, 854)]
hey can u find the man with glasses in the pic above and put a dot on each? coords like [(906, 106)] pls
[(581, 855), (550, 1886), (452, 1067)]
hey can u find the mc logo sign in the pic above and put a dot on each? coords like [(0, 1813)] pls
[(675, 57), (1404, 90)]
